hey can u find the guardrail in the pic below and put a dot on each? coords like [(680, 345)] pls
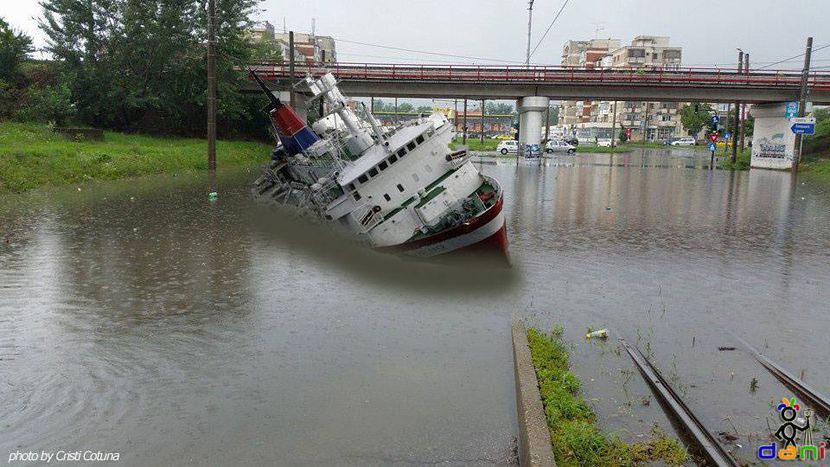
[(547, 74)]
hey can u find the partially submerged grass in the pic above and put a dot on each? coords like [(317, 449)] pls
[(818, 168), (31, 155), (576, 439)]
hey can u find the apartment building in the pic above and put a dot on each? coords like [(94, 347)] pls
[(595, 119)]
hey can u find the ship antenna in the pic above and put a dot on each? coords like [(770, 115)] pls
[(275, 101)]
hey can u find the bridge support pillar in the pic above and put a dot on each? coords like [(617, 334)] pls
[(773, 142), (299, 103), (531, 115)]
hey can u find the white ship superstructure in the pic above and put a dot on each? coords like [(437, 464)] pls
[(402, 190)]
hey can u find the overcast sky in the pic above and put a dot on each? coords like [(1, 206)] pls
[(709, 31)]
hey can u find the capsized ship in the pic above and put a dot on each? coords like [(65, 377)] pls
[(400, 189)]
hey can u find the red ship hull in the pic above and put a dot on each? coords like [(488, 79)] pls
[(485, 233)]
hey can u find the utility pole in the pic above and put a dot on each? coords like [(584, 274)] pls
[(464, 137), (372, 105), (614, 128), (211, 78), (645, 123), (397, 117), (323, 61), (291, 69), (529, 26), (735, 124), (482, 122), (802, 100), (743, 106), (455, 117)]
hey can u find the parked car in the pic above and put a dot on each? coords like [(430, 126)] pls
[(572, 141), (504, 137), (604, 143), (559, 146), (685, 141), (508, 146), (669, 141)]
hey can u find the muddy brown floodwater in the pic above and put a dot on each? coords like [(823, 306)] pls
[(137, 317)]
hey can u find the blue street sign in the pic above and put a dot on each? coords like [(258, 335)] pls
[(574, 132), (803, 128), (712, 147), (715, 119), (727, 135), (792, 110)]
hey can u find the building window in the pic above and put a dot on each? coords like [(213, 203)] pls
[(383, 165), (372, 172), (400, 188), (387, 197), (363, 178)]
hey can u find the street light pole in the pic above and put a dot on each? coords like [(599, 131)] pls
[(529, 25), (735, 127)]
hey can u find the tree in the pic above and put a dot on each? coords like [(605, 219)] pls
[(424, 109), (498, 108), (14, 48), (140, 64), (405, 107), (266, 49), (695, 117)]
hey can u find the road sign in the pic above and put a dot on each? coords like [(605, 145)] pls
[(727, 135), (792, 110), (629, 132), (803, 126), (574, 132), (715, 119), (712, 147), (713, 137)]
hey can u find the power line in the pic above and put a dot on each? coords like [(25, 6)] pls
[(401, 49), (550, 26), (794, 57)]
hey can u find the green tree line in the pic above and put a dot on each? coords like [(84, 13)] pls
[(132, 65)]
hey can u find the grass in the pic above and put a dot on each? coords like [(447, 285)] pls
[(817, 167), (575, 438), (31, 155), (741, 162), (475, 144)]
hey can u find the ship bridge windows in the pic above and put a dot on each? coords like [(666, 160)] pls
[(383, 165), (350, 187), (356, 196), (363, 178), (400, 188), (393, 159), (387, 197), (372, 172), (401, 152), (411, 145), (419, 139)]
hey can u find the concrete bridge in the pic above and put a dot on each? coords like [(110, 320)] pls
[(563, 83), (534, 86)]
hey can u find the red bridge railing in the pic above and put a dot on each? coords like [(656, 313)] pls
[(547, 74)]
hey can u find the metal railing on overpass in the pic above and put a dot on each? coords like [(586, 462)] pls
[(658, 76)]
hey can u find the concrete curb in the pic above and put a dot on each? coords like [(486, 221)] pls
[(534, 438)]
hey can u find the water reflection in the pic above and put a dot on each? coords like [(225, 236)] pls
[(141, 317)]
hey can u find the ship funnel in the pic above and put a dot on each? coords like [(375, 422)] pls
[(294, 135)]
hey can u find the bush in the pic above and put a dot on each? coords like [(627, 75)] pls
[(52, 103)]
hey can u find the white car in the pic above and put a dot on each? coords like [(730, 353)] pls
[(687, 141), (604, 143), (507, 146), (559, 146)]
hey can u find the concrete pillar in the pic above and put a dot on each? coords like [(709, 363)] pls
[(773, 142), (531, 116), (299, 103)]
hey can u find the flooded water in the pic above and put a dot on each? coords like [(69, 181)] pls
[(137, 317)]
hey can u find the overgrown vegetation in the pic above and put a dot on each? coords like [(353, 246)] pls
[(576, 439), (742, 160), (133, 66), (32, 155)]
